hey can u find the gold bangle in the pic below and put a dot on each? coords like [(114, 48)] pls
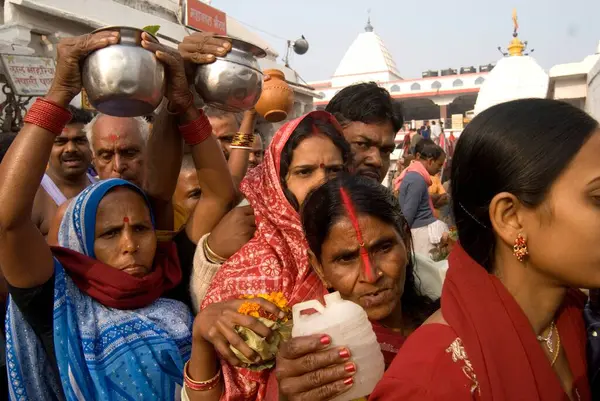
[(242, 141), (212, 256)]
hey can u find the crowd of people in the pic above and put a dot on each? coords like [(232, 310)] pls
[(130, 250)]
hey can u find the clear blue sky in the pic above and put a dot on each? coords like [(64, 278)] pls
[(423, 35)]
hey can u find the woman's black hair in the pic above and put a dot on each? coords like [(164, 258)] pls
[(520, 147), (324, 207), (303, 131), (428, 149)]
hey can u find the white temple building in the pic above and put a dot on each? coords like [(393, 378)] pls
[(516, 76), (578, 83), (593, 93), (436, 95)]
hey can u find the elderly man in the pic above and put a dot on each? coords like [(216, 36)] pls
[(119, 147), (370, 122), (66, 175)]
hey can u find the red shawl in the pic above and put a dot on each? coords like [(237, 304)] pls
[(274, 260), (116, 289), (506, 355)]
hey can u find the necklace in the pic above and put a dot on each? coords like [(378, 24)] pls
[(549, 342), (548, 338)]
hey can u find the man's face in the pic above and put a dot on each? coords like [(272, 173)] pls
[(119, 149), (433, 167), (188, 191), (372, 145), (71, 154), (258, 153), (225, 128)]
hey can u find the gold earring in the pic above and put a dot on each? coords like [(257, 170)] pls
[(520, 249)]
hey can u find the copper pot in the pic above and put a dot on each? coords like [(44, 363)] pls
[(277, 98)]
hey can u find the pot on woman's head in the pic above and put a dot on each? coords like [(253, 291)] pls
[(124, 80), (232, 83)]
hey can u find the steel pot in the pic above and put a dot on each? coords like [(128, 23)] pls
[(232, 83), (124, 80)]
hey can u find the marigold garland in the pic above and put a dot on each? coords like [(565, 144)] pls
[(253, 308)]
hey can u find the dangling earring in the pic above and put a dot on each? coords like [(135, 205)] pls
[(520, 248)]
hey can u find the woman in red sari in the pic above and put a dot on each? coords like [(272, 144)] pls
[(303, 154), (337, 218), (526, 197)]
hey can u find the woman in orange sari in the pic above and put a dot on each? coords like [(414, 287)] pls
[(527, 210), (303, 154)]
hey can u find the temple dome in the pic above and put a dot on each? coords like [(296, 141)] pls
[(513, 78), (517, 76), (367, 59)]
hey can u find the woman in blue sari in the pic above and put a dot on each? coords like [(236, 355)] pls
[(100, 317)]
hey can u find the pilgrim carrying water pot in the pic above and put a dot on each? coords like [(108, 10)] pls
[(232, 83), (124, 80)]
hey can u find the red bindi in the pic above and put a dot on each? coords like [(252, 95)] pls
[(364, 255), (113, 137), (126, 220), (322, 165)]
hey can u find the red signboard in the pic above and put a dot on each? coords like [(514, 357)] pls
[(205, 18)]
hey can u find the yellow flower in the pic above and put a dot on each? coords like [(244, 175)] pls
[(250, 309), (276, 298)]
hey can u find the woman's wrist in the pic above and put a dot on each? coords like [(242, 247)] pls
[(59, 97), (203, 364), (190, 114)]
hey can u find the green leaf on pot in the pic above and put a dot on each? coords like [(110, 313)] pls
[(151, 29)]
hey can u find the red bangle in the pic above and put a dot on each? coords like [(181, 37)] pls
[(196, 131), (200, 386), (48, 115)]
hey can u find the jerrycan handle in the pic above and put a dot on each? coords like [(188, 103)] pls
[(298, 308)]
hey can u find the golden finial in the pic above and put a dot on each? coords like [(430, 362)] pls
[(515, 47)]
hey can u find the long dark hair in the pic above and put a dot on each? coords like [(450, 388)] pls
[(303, 131), (324, 207), (520, 147)]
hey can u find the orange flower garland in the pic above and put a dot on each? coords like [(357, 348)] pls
[(253, 309)]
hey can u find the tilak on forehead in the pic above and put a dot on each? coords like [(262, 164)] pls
[(114, 137), (364, 255)]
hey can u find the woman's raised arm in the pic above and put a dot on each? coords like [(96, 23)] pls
[(25, 258)]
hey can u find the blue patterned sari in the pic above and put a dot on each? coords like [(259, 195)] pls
[(102, 353)]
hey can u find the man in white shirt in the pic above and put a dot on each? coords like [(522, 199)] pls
[(436, 131)]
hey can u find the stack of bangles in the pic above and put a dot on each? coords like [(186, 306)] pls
[(197, 131), (242, 141), (202, 385), (48, 115), (212, 256)]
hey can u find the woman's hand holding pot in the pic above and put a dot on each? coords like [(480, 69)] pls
[(178, 90), (70, 53)]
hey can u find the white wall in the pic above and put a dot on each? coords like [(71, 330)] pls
[(593, 93)]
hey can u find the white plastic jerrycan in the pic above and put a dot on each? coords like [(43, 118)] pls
[(348, 326)]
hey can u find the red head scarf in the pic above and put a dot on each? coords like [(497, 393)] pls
[(274, 260)]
